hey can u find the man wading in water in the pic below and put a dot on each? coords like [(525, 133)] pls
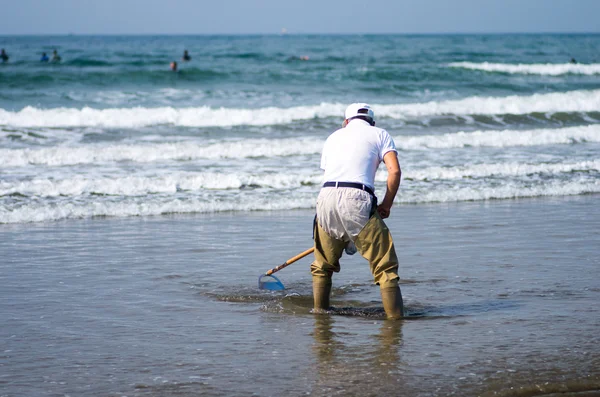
[(347, 213)]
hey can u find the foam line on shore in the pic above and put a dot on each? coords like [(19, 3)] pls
[(136, 206)]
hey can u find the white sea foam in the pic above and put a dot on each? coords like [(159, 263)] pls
[(174, 182), (40, 211), (150, 152), (503, 138), (572, 101), (136, 117), (239, 149), (548, 69), (504, 191), (204, 116), (499, 169), (161, 184)]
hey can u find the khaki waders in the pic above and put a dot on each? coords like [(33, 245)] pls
[(375, 244)]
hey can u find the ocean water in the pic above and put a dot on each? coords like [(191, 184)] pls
[(111, 131)]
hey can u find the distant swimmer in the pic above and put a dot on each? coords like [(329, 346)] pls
[(299, 58), (174, 66), (186, 57), (573, 60), (4, 56), (55, 56), (44, 57)]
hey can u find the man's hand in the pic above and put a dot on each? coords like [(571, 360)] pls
[(384, 211)]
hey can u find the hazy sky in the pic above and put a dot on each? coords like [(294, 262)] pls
[(297, 16)]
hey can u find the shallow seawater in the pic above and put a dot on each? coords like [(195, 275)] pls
[(501, 300)]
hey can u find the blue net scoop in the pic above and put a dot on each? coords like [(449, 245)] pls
[(270, 283)]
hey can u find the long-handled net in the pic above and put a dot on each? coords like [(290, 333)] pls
[(269, 282)]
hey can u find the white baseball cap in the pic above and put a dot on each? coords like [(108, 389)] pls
[(359, 109)]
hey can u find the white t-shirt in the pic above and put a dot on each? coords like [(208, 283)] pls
[(353, 153)]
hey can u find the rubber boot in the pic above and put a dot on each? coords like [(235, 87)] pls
[(392, 302), (321, 292)]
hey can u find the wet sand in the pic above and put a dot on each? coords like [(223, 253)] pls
[(501, 296)]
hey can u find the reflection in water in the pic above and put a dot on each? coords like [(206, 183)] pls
[(348, 363), (326, 343), (389, 341)]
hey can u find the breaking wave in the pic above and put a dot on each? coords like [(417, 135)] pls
[(205, 116), (546, 69), (254, 148)]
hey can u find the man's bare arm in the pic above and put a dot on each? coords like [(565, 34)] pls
[(393, 183)]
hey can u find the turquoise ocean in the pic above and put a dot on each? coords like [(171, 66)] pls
[(111, 131)]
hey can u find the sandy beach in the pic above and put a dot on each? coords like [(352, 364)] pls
[(501, 296)]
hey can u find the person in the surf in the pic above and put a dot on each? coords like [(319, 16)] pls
[(4, 56), (173, 66), (55, 56), (348, 217), (299, 58), (44, 57), (186, 56)]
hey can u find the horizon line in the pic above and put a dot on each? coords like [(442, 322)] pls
[(307, 34)]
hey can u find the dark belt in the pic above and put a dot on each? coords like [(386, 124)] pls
[(350, 184)]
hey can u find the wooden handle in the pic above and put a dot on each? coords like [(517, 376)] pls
[(300, 256), (290, 261)]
